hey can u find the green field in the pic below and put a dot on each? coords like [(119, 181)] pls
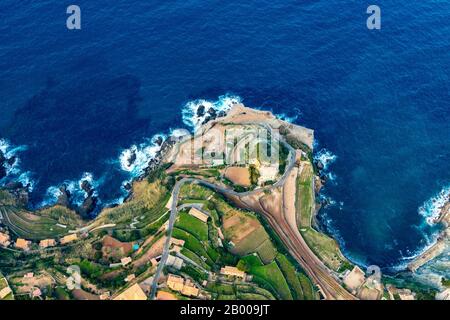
[(251, 289), (307, 287), (197, 247), (192, 225), (326, 248), (194, 191), (270, 275), (194, 257), (291, 276), (305, 196), (266, 251)]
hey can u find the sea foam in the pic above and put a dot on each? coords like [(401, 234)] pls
[(432, 208), (326, 157), (77, 194), (194, 121), (143, 153), (14, 171)]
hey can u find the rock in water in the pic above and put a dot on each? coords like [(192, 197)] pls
[(319, 165), (201, 111), (212, 112), (132, 158), (11, 160), (64, 197), (86, 186), (87, 207), (2, 171), (127, 186), (3, 160), (221, 114), (159, 141)]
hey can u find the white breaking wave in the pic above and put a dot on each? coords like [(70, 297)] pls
[(285, 117), (14, 171), (77, 194), (432, 208), (178, 133), (326, 157), (194, 121), (26, 180), (142, 153)]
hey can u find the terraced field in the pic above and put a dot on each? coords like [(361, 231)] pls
[(280, 277), (30, 226), (274, 275)]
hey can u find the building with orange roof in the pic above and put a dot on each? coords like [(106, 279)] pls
[(134, 292), (164, 295), (178, 284), (4, 239), (232, 271), (125, 261), (46, 243), (130, 277), (190, 289), (177, 242), (69, 238), (174, 282), (23, 244)]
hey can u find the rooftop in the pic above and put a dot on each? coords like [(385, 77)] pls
[(132, 293)]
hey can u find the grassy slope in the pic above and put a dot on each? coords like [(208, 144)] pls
[(326, 248), (147, 205), (272, 275), (291, 276)]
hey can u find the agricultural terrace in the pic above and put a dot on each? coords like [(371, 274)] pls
[(246, 244), (52, 222)]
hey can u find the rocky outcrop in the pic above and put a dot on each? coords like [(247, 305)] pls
[(87, 207), (159, 140), (319, 165), (212, 113), (64, 197), (132, 158), (221, 114), (19, 191), (4, 163), (442, 242), (157, 160), (90, 202), (201, 110)]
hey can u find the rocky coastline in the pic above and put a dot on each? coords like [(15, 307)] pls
[(442, 242)]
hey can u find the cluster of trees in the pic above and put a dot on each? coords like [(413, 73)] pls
[(254, 174)]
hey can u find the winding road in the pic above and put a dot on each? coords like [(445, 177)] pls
[(292, 239)]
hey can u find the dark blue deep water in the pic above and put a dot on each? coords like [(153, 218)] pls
[(72, 101)]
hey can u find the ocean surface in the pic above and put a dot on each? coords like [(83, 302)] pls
[(75, 103)]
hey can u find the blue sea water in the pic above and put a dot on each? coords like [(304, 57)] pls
[(74, 101)]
